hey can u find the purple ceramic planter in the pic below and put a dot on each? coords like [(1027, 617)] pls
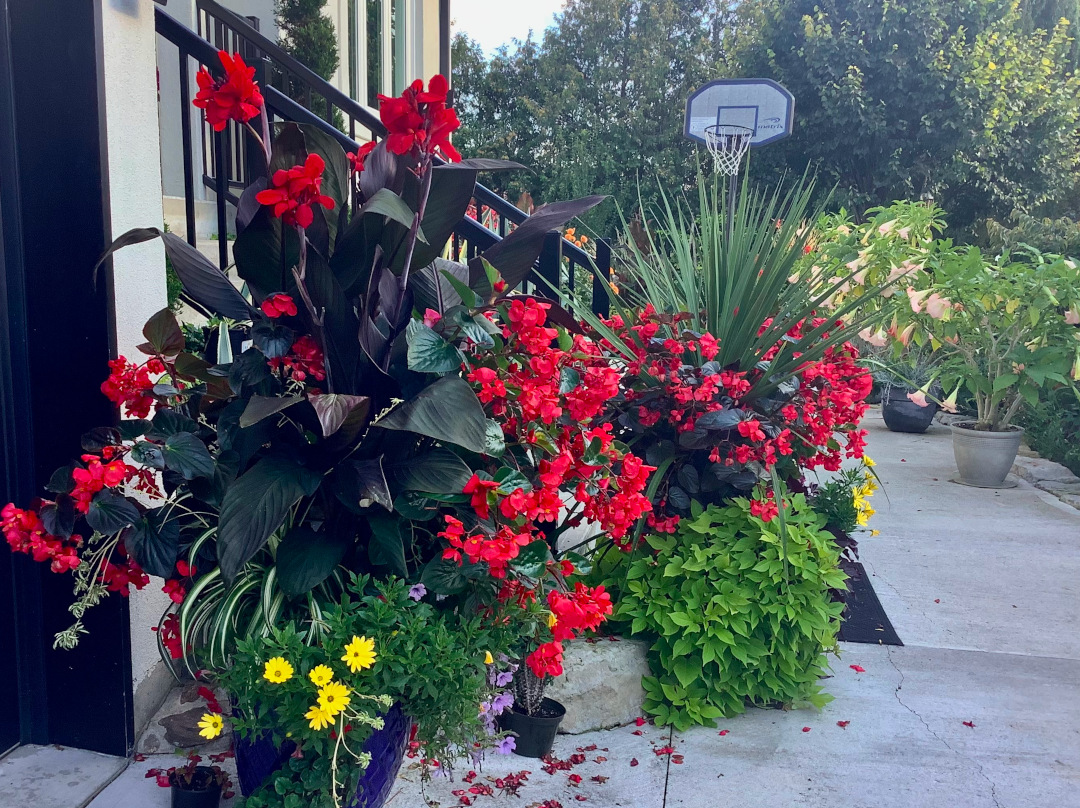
[(257, 759)]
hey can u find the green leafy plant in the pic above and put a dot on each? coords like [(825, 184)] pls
[(844, 500), (431, 663), (734, 619), (1053, 429), (1007, 331)]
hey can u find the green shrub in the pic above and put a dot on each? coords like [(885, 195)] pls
[(1053, 429), (736, 615)]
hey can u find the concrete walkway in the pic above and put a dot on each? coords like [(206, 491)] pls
[(980, 709)]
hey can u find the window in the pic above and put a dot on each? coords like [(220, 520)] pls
[(374, 51)]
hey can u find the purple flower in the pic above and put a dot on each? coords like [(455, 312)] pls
[(502, 702), (506, 745), (504, 678), (417, 591)]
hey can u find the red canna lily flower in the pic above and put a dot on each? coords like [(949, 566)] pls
[(233, 98), (418, 122), (295, 190)]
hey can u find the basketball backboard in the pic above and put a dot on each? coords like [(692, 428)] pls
[(758, 104)]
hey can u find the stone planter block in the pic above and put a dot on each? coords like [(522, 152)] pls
[(601, 684)]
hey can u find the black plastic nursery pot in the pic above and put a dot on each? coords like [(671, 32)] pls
[(901, 414), (205, 791), (535, 733)]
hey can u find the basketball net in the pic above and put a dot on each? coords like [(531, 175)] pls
[(728, 144)]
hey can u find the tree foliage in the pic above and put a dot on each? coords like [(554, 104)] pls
[(308, 34), (973, 102), (598, 102), (964, 100)]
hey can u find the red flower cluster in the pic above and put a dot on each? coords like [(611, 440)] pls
[(497, 551), (295, 190), (419, 122), (304, 359), (706, 410), (584, 609), (94, 477), (546, 399), (25, 533), (233, 98), (129, 385), (279, 305), (546, 660)]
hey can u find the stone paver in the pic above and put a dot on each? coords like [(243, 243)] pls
[(55, 777)]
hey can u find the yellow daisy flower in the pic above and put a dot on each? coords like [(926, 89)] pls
[(359, 654), (333, 698), (321, 675), (319, 718), (277, 670), (211, 725), (868, 462)]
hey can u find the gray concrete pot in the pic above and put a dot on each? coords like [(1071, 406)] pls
[(984, 459)]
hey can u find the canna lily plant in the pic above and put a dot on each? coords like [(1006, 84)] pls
[(333, 427)]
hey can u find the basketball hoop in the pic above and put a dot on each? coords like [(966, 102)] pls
[(728, 144)]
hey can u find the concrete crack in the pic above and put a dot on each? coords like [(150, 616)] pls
[(929, 729)]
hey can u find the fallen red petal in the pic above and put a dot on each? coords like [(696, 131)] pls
[(676, 758), (806, 729), (969, 724), (842, 724), (633, 761), (937, 600), (723, 732), (640, 721), (858, 668)]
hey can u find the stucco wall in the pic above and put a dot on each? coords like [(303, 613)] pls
[(139, 271)]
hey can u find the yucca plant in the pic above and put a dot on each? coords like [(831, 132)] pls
[(748, 291)]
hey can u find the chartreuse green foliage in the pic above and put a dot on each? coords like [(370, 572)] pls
[(734, 619)]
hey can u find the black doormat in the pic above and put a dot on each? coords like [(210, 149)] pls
[(863, 619)]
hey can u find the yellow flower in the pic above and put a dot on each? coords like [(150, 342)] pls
[(875, 532), (319, 718), (868, 462), (333, 698), (210, 725), (359, 654), (321, 675), (552, 620), (488, 658), (277, 670)]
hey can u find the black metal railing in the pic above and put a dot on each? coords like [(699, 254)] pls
[(231, 161)]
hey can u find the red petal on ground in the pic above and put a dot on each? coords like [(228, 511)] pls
[(842, 724)]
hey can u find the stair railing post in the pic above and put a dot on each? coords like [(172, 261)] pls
[(551, 263), (601, 287)]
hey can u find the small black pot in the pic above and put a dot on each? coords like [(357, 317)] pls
[(901, 414), (208, 796), (535, 733)]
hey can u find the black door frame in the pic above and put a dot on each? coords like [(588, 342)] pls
[(56, 331)]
